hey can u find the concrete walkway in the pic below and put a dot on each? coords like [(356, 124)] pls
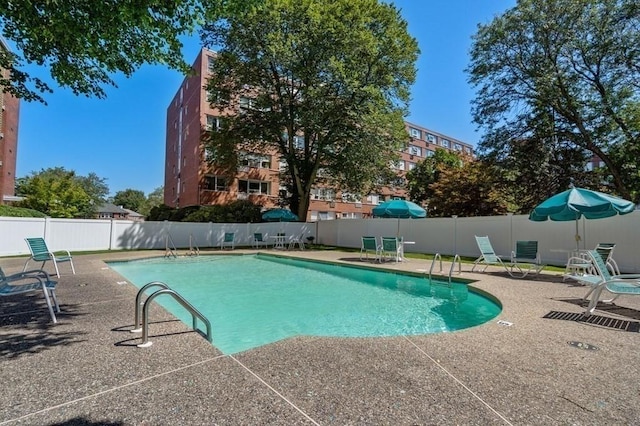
[(87, 370)]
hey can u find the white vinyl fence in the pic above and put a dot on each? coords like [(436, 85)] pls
[(446, 236), (89, 234), (449, 236)]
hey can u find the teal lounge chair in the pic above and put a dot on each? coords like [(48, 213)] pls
[(41, 253), (525, 259), (391, 247), (29, 282), (228, 240), (618, 285), (369, 244), (258, 240)]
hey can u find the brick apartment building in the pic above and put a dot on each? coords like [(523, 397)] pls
[(9, 115), (189, 180)]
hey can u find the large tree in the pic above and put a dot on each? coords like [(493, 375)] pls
[(428, 172), (575, 60), (56, 192), (84, 42), (322, 83), (131, 199)]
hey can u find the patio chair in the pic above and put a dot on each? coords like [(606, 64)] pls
[(525, 259), (296, 239), (30, 282), (391, 246), (627, 284), (259, 240), (488, 255), (228, 240), (41, 253), (370, 244), (605, 250)]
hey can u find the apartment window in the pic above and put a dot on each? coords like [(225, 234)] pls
[(398, 165), (215, 183), (412, 166), (210, 63), (246, 103), (431, 138), (298, 142), (213, 122), (348, 197), (457, 147), (415, 150), (429, 153), (255, 161), (325, 194), (446, 143), (253, 187), (467, 150), (373, 199), (415, 133)]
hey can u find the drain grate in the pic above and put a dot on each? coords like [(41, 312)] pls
[(584, 346)]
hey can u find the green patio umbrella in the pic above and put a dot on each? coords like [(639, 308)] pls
[(279, 215), (574, 203)]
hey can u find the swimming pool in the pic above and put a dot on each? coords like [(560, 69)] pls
[(253, 300)]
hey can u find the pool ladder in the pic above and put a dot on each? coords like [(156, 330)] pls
[(456, 260), (194, 250), (170, 248), (142, 309)]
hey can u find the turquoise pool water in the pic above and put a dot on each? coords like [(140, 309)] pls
[(254, 300)]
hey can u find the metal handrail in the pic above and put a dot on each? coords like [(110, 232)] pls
[(453, 264), (169, 250), (194, 250), (139, 304), (193, 311), (433, 263)]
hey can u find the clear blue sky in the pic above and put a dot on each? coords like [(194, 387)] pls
[(121, 138)]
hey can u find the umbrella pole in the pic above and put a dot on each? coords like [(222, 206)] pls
[(577, 236)]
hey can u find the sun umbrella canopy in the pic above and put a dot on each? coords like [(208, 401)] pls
[(400, 209), (279, 215), (577, 202)]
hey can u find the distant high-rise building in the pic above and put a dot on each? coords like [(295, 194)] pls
[(190, 180), (9, 115)]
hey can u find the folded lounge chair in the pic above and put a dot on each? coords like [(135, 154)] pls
[(29, 282), (605, 250), (616, 284), (41, 253), (369, 244)]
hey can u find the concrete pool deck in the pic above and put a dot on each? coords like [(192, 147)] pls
[(87, 370)]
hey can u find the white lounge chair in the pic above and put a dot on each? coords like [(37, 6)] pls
[(618, 285), (488, 255)]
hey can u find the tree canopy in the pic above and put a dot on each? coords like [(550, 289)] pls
[(84, 42), (563, 70), (131, 199), (58, 192), (428, 172), (322, 83)]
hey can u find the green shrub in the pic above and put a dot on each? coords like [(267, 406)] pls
[(19, 212)]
